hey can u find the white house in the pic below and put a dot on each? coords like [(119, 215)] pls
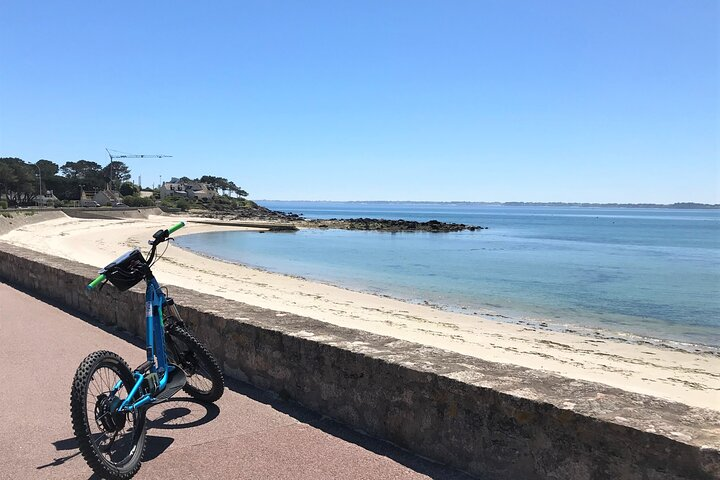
[(200, 191), (179, 188), (44, 200), (172, 189)]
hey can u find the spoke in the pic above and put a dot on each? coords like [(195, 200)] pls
[(101, 379), (102, 435), (112, 440)]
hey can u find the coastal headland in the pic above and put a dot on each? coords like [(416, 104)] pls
[(374, 224)]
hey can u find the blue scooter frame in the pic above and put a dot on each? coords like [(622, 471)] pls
[(155, 347), (155, 299)]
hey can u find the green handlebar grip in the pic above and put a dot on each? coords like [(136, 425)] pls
[(97, 281), (176, 227)]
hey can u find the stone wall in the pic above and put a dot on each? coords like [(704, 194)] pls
[(11, 219), (492, 420), (112, 213)]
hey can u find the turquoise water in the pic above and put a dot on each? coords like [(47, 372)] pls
[(649, 272)]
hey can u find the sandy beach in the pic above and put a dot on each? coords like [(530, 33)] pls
[(692, 378)]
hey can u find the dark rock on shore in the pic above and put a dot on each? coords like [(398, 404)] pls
[(262, 213), (369, 224), (382, 225)]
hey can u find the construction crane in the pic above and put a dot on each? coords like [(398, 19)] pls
[(118, 154)]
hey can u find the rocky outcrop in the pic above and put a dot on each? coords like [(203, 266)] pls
[(371, 224), (382, 225), (265, 214)]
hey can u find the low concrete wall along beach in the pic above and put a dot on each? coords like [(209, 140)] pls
[(493, 420), (17, 218), (11, 219)]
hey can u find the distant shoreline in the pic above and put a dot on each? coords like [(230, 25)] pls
[(678, 205)]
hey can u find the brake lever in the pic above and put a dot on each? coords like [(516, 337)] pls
[(154, 243)]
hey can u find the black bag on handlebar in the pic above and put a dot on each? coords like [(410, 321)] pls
[(127, 271)]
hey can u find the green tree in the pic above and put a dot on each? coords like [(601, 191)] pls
[(48, 172), (83, 172), (128, 189), (135, 201), (7, 177), (237, 190), (82, 169), (183, 204), (223, 185), (19, 180), (65, 188), (115, 173), (47, 168)]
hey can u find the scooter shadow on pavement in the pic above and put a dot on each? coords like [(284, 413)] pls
[(176, 413)]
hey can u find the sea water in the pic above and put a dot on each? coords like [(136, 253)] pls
[(648, 272)]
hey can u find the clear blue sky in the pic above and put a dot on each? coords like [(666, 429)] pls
[(605, 101)]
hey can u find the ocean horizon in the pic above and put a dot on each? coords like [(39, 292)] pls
[(680, 205), (651, 273)]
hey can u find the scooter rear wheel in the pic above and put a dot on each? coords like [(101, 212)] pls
[(204, 378)]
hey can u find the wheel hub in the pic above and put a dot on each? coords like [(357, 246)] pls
[(107, 415), (188, 363)]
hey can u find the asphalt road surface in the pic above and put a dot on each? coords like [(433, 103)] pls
[(248, 434)]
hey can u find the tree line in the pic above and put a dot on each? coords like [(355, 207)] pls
[(219, 184), (21, 182)]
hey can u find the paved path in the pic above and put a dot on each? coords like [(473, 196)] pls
[(250, 434)]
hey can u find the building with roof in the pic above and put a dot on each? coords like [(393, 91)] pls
[(187, 189), (44, 200), (107, 198)]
